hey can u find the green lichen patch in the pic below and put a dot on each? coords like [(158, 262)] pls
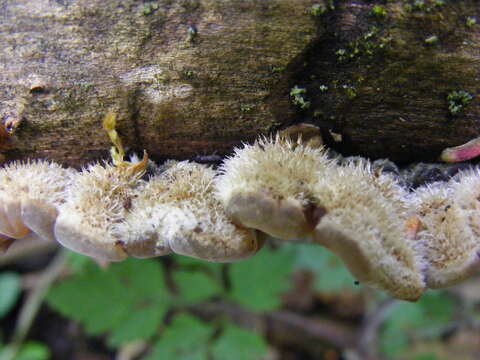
[(471, 21), (350, 91), (379, 11), (424, 5), (457, 101), (297, 95), (377, 74), (149, 9), (319, 9)]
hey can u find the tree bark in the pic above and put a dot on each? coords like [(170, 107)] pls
[(196, 77)]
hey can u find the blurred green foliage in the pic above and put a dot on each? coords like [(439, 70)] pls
[(129, 301), (258, 282), (9, 291), (331, 275), (31, 350), (154, 300), (425, 319)]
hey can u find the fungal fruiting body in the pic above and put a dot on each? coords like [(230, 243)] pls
[(111, 212), (390, 238), (449, 239), (291, 191), (365, 224), (265, 186), (30, 194), (176, 211), (96, 203)]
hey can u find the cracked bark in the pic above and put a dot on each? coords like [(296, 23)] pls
[(196, 77)]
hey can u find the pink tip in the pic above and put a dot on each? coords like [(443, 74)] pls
[(463, 152)]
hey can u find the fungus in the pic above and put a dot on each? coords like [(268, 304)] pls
[(304, 133), (288, 187), (448, 240), (30, 194), (291, 191), (365, 224), (265, 186), (176, 211), (111, 212), (97, 201)]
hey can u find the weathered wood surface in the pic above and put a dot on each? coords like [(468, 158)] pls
[(196, 77)]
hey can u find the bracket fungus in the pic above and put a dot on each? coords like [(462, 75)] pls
[(95, 203), (390, 237), (365, 225), (176, 211), (266, 186), (111, 213), (293, 191), (30, 194), (449, 236)]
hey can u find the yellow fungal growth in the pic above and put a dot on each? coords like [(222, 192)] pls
[(266, 185), (365, 224), (30, 194), (449, 237), (109, 125), (176, 211), (117, 152)]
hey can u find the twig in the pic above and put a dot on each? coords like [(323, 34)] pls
[(284, 327), (131, 350), (310, 330), (366, 346), (32, 305), (22, 249)]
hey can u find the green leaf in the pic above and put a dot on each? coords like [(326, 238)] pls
[(427, 317), (186, 338), (257, 283), (144, 277), (196, 287), (78, 262), (402, 319), (129, 300), (239, 344), (426, 357), (140, 324), (10, 288), (95, 298), (33, 351), (331, 275), (189, 263)]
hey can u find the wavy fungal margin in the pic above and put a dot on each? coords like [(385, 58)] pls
[(390, 238)]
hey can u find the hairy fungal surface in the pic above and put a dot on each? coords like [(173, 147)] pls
[(95, 203), (365, 224), (392, 238), (176, 211), (30, 193), (450, 236), (266, 185)]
